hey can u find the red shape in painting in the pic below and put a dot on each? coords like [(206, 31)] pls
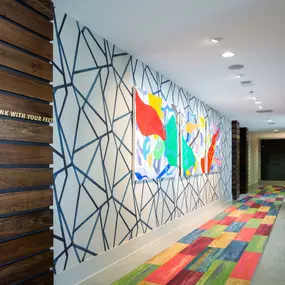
[(212, 149), (148, 120), (211, 152)]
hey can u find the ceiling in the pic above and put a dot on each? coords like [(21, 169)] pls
[(173, 38)]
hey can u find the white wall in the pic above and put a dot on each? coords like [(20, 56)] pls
[(254, 152)]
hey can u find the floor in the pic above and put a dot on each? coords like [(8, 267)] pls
[(225, 250)]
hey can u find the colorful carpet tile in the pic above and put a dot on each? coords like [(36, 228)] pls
[(225, 250)]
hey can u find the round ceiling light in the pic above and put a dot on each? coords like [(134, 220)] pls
[(253, 98), (260, 107), (215, 40), (236, 67), (228, 54), (258, 102)]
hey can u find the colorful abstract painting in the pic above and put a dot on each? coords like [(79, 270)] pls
[(223, 251), (193, 144), (156, 137), (214, 149)]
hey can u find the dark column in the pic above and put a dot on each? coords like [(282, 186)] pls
[(244, 160), (235, 159)]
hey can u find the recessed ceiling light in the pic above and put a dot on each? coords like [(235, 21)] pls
[(260, 107), (239, 75), (258, 102), (253, 98), (215, 40), (269, 120), (276, 131), (228, 54)]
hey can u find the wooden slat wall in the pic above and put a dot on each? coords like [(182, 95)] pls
[(235, 159), (26, 178), (244, 141)]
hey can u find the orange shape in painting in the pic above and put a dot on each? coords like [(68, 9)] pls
[(190, 127)]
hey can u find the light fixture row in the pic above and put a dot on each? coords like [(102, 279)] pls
[(229, 54)]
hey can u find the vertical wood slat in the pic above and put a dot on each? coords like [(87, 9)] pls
[(18, 13), (25, 217)]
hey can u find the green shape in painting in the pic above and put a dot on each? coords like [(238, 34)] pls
[(171, 146), (159, 148), (137, 275), (188, 157)]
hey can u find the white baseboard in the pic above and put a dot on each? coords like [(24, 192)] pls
[(103, 269)]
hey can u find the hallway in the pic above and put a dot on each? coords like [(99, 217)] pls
[(225, 250), (141, 142)]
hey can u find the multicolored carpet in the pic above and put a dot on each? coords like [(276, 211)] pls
[(225, 250)]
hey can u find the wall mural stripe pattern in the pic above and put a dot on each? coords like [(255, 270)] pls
[(97, 204)]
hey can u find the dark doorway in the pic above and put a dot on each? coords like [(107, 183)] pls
[(273, 160)]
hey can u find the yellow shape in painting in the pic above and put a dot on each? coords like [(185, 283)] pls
[(223, 240), (190, 127), (202, 122), (188, 173), (149, 159), (167, 254), (264, 209), (269, 220), (237, 213), (156, 103), (235, 281)]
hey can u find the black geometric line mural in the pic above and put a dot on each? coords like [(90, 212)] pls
[(97, 206)]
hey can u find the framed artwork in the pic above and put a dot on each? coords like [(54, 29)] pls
[(214, 149), (193, 144), (156, 137)]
